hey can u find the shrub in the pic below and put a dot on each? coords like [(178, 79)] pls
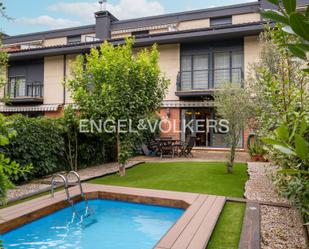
[(38, 141), (43, 143)]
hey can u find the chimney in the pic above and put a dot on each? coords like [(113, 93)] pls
[(103, 24)]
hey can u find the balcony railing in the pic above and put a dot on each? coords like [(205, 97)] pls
[(208, 79), (25, 92)]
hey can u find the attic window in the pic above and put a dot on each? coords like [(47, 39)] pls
[(140, 33), (74, 39), (220, 21)]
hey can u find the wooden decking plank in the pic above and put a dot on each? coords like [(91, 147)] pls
[(188, 233), (32, 205), (188, 197), (169, 239), (250, 234), (202, 236)]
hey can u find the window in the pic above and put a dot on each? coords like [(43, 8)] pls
[(221, 68), (17, 87), (140, 33), (200, 71), (227, 68), (212, 70), (219, 21), (74, 39), (89, 38), (194, 71)]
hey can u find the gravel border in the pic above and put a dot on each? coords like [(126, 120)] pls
[(39, 186), (281, 227)]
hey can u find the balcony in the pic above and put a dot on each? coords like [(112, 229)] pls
[(204, 82), (25, 92)]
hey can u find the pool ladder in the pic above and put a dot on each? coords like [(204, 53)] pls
[(66, 188)]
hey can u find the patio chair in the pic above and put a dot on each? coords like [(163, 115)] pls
[(166, 148), (187, 147)]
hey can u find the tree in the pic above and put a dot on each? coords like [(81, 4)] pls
[(70, 125), (2, 9), (233, 103), (113, 83), (294, 23), (277, 82), (9, 170)]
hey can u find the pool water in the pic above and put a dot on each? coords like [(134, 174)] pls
[(110, 225)]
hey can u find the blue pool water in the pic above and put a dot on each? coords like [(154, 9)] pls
[(113, 225)]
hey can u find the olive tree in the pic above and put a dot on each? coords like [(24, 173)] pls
[(113, 83), (233, 103)]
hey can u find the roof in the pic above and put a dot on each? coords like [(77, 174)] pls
[(251, 7), (204, 34)]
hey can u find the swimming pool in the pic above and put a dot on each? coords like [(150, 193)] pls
[(113, 224)]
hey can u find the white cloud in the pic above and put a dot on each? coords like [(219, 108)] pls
[(48, 21), (125, 9)]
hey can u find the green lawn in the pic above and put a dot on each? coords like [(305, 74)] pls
[(227, 231), (199, 177)]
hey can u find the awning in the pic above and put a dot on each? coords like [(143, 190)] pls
[(176, 103), (34, 108)]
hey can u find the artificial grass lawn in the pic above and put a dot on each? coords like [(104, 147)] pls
[(197, 177), (227, 231)]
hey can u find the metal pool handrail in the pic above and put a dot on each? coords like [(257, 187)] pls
[(65, 181), (78, 181)]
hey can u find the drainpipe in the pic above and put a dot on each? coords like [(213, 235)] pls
[(64, 77)]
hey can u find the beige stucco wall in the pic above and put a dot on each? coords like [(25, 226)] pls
[(122, 35), (55, 41), (156, 31), (169, 64), (69, 64), (194, 24), (252, 49), (246, 18), (53, 80)]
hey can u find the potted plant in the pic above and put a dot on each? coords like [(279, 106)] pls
[(257, 151)]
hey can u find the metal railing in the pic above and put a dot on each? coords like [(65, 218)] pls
[(208, 78), (25, 90)]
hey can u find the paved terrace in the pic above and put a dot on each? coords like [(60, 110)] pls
[(198, 155)]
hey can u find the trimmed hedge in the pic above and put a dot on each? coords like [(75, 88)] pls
[(42, 143)]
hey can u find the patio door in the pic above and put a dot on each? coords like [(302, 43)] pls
[(194, 122)]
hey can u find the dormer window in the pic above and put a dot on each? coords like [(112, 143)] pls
[(220, 21), (140, 33), (74, 39)]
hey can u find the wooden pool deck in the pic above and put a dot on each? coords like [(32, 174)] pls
[(192, 230)]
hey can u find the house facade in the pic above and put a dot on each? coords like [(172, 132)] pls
[(199, 52)]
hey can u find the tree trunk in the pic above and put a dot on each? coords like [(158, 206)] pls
[(230, 163), (70, 154), (122, 169)]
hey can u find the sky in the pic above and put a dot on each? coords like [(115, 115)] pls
[(41, 15)]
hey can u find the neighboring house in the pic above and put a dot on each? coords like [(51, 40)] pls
[(199, 51)]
